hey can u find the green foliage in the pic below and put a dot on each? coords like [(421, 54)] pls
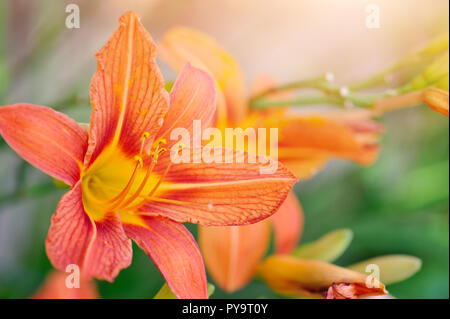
[(392, 268), (327, 248)]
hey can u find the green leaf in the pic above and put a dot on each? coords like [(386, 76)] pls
[(166, 293), (393, 268), (435, 75), (327, 248)]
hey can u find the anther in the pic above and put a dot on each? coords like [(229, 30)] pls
[(145, 135), (140, 160), (157, 153), (122, 200), (160, 141)]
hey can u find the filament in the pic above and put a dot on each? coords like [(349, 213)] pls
[(122, 200), (152, 192), (158, 151)]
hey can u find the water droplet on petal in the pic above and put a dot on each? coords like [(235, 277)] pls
[(210, 206), (161, 122)]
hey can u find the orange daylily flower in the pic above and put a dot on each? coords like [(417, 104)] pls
[(297, 277), (308, 271), (180, 45), (232, 254), (54, 287), (123, 183), (306, 142)]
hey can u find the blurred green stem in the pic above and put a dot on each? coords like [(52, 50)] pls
[(330, 95), (415, 63)]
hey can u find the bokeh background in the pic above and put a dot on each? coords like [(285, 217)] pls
[(399, 205)]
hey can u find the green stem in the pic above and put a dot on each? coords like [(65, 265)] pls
[(261, 104), (354, 98), (414, 62), (310, 83)]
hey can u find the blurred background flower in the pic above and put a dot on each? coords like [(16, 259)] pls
[(397, 206)]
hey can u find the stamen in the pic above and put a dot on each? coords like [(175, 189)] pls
[(160, 180), (119, 198), (152, 192), (145, 136), (139, 160), (159, 142), (158, 153), (141, 187)]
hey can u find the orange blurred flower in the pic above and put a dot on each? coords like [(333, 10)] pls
[(307, 141), (308, 271), (297, 277), (232, 254), (436, 99), (54, 287), (124, 184)]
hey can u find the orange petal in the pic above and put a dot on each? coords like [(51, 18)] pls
[(308, 163), (349, 291), (233, 253), (305, 166), (296, 277), (437, 100), (127, 91), (288, 225), (314, 138), (110, 250), (193, 97), (220, 194), (174, 251), (54, 287), (100, 249), (180, 45), (49, 140), (397, 102)]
